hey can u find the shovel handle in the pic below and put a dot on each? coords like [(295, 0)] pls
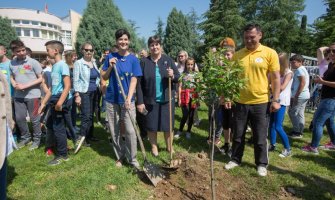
[(131, 118)]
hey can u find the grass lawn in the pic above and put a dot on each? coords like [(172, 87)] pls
[(87, 174)]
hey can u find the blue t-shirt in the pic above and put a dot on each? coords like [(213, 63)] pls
[(59, 70), (94, 74), (4, 68), (127, 67), (159, 86)]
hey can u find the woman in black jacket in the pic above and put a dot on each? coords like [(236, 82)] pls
[(153, 92)]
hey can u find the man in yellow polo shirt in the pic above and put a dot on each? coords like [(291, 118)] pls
[(261, 68)]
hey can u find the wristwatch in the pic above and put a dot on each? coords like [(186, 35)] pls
[(275, 100)]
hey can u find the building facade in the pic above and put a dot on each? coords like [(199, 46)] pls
[(35, 28)]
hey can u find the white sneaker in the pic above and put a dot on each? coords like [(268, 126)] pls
[(231, 165), (285, 153), (177, 135), (262, 171), (188, 135)]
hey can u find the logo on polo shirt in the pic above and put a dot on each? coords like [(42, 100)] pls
[(258, 60)]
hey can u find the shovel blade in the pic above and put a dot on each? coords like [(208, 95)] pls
[(153, 172)]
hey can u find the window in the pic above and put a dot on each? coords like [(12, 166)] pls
[(36, 33), (44, 34), (25, 22), (43, 24), (16, 21), (26, 32), (18, 31), (66, 38), (35, 23), (50, 25), (51, 35)]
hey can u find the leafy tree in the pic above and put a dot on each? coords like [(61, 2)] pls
[(100, 20), (324, 26), (160, 29), (177, 34), (222, 20), (304, 44), (7, 32)]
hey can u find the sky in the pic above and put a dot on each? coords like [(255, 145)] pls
[(144, 12)]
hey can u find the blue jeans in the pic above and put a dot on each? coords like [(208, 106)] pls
[(325, 110), (276, 126), (3, 180), (87, 110)]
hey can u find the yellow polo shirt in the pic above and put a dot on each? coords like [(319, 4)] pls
[(257, 64)]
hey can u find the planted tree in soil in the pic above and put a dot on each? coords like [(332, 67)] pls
[(219, 78)]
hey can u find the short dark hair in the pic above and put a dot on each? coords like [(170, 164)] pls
[(55, 44), (121, 32), (251, 26), (297, 57), (15, 44), (154, 39)]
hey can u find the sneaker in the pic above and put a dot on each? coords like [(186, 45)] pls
[(80, 142), (49, 152), (197, 123), (34, 146), (231, 165), (285, 153), (188, 135), (310, 149), (177, 135), (328, 146), (296, 135), (272, 147), (118, 163), (262, 171), (58, 160), (23, 143)]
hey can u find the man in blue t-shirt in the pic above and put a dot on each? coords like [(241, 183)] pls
[(60, 87), (129, 69)]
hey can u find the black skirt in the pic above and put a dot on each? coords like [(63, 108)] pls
[(158, 117)]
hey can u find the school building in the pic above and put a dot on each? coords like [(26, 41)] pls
[(35, 28)]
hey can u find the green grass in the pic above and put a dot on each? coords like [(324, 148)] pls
[(86, 175)]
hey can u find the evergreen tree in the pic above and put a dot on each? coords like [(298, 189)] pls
[(222, 20), (304, 44), (324, 26), (177, 34), (100, 20), (193, 19), (160, 29), (7, 32)]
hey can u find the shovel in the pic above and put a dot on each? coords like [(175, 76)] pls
[(152, 171), (174, 164)]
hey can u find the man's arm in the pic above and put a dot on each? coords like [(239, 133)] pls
[(302, 84), (67, 87), (275, 87)]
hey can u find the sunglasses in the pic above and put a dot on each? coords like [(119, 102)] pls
[(89, 50)]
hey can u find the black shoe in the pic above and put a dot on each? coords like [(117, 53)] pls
[(272, 147), (58, 160), (93, 139)]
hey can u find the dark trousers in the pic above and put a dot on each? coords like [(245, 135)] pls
[(3, 180), (74, 112), (188, 113), (97, 107), (87, 108), (22, 106), (258, 114)]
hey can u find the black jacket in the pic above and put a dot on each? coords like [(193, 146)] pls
[(146, 85)]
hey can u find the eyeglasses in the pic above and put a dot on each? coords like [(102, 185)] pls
[(88, 50), (181, 56)]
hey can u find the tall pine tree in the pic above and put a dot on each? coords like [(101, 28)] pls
[(221, 20), (160, 29), (100, 20), (7, 32), (177, 34), (324, 26)]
